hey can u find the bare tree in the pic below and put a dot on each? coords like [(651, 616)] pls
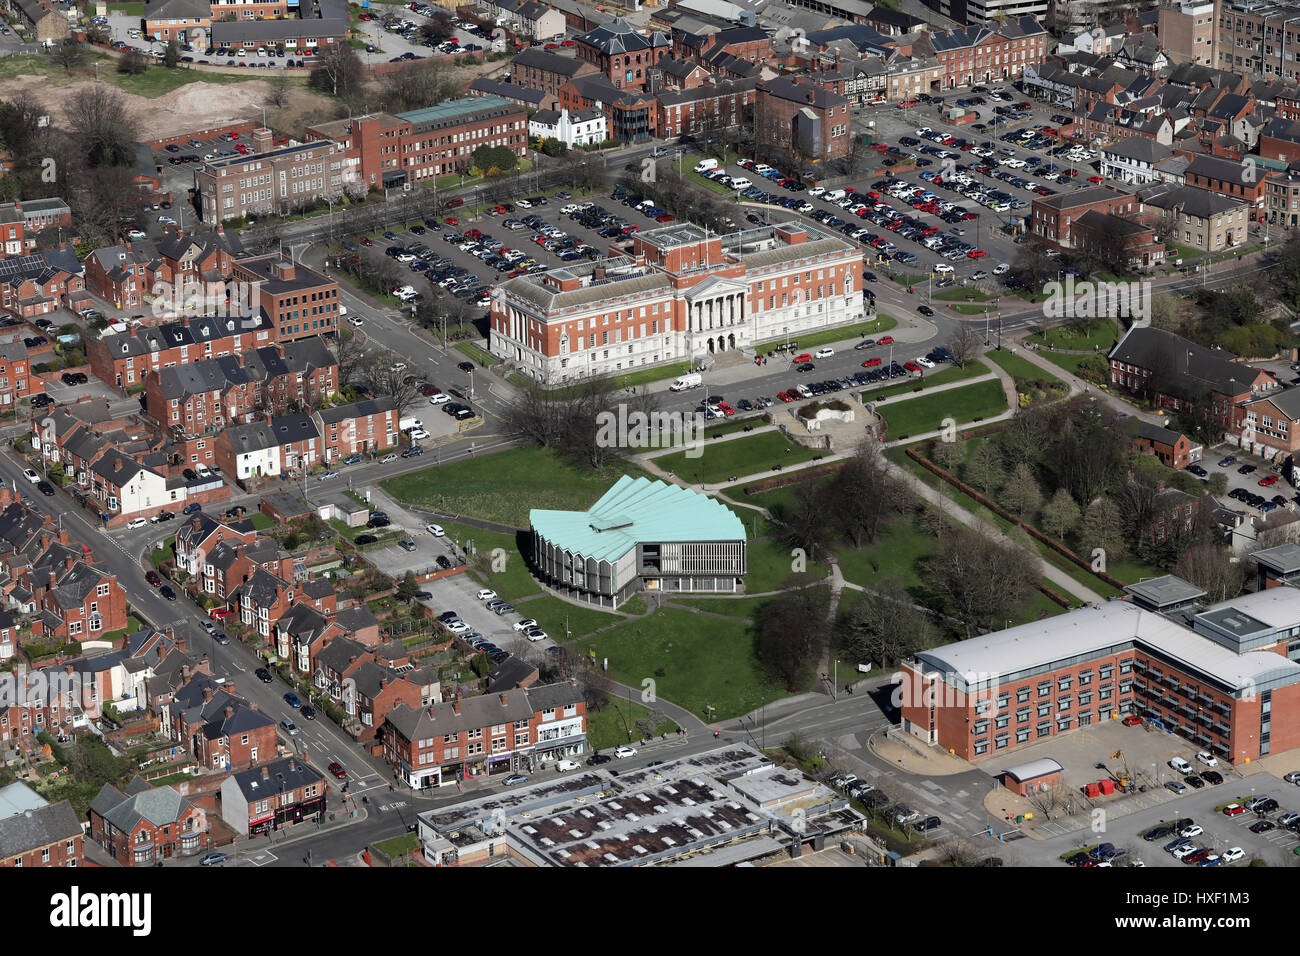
[(68, 54), (967, 344), (350, 353), (387, 374), (882, 627), (338, 71), (278, 93), (104, 127), (979, 581)]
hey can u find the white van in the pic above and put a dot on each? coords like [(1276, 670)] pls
[(691, 380), (704, 165), (825, 352), (834, 195), (740, 182)]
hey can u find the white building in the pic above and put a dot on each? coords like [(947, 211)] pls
[(1134, 161), (584, 128)]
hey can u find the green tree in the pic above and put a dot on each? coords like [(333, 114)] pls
[(1060, 514), (1217, 483), (172, 55), (984, 468), (408, 587), (1021, 493), (1102, 528), (487, 158)]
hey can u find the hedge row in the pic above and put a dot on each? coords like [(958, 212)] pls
[(808, 474)]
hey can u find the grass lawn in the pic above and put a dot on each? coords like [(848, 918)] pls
[(1020, 368), (963, 295), (488, 486), (478, 354), (1098, 334), (772, 498), (400, 845), (740, 456), (972, 369), (771, 561), (552, 614), (655, 373), (744, 609), (159, 555), (971, 309), (1066, 360), (609, 726), (260, 521), (918, 415), (703, 661), (843, 333), (897, 551), (512, 583)]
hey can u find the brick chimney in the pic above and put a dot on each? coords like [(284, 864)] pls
[(285, 270), (292, 764), (505, 701), (185, 672), (262, 139), (455, 706), (52, 579), (266, 772), (196, 524), (208, 694), (306, 758), (230, 711)]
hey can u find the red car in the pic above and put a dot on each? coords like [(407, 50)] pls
[(726, 409), (552, 46), (886, 340), (665, 217), (220, 613), (367, 241), (803, 357), (906, 103), (975, 254), (1096, 179), (871, 363), (785, 396), (911, 366), (154, 578), (1132, 720), (1268, 481), (452, 221), (453, 203), (473, 234), (1232, 809), (568, 43), (336, 768)]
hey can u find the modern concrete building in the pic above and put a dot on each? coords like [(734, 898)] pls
[(641, 535)]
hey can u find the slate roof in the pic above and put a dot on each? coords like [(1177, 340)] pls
[(1191, 200), (340, 413), (288, 774), (338, 655), (37, 828), (1191, 367), (618, 36), (159, 806), (1139, 148), (549, 62), (240, 720), (356, 618)]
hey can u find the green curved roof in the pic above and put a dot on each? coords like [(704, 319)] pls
[(636, 510)]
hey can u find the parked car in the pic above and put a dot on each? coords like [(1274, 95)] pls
[(293, 700), (624, 752), (167, 592), (263, 674), (212, 859)]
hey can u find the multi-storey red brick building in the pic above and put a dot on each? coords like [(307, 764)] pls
[(988, 54), (548, 72), (1052, 217), (16, 378), (623, 55), (300, 302), (123, 359), (494, 733), (274, 795), (802, 117), (1176, 372), (383, 150), (147, 824), (269, 179), (1226, 683), (21, 221), (357, 429), (679, 294), (694, 110), (42, 836)]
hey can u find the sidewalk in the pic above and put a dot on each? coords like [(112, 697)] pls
[(949, 507)]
